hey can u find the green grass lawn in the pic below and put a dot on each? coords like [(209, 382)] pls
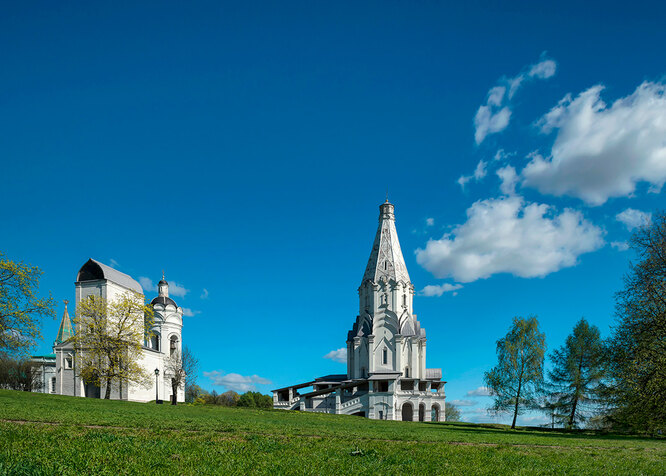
[(48, 434)]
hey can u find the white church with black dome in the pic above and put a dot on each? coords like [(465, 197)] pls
[(58, 370)]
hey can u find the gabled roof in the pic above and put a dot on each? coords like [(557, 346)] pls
[(386, 260), (93, 270)]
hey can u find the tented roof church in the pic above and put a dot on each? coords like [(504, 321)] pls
[(386, 377)]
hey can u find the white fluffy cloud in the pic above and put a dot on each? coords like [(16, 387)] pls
[(508, 235), (479, 392), (633, 218), (494, 116), (620, 245), (600, 151), (430, 221), (147, 284), (187, 312), (439, 289), (236, 382), (339, 355), (463, 403), (509, 179), (479, 173), (204, 294)]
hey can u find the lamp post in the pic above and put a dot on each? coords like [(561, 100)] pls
[(157, 374)]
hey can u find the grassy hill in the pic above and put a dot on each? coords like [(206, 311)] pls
[(48, 434)]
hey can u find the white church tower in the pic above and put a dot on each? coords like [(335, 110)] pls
[(386, 339), (386, 377)]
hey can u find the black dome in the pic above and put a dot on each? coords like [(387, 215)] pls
[(164, 301)]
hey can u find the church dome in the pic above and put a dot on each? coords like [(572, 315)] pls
[(164, 301)]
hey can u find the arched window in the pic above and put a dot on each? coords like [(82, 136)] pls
[(155, 341), (173, 345), (68, 361), (434, 413)]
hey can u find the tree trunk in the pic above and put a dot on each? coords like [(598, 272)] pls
[(515, 411), (107, 394), (174, 396)]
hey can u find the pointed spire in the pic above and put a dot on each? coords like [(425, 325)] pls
[(386, 260), (66, 329)]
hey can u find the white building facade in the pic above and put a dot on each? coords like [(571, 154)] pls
[(97, 279), (386, 375)]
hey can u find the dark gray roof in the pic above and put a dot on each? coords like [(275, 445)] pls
[(93, 270), (164, 301)]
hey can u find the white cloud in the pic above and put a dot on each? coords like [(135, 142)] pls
[(633, 218), (178, 290), (620, 245), (488, 122), (438, 290), (463, 403), (114, 263), (494, 116), (600, 151), (509, 179), (543, 70), (430, 221), (204, 294), (479, 173), (479, 392), (187, 312), (508, 235), (339, 355), (236, 382), (147, 284)]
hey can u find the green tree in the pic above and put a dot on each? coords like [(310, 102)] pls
[(20, 308), (192, 392), (255, 400), (109, 340), (518, 375), (19, 374), (637, 349), (578, 368), (452, 412)]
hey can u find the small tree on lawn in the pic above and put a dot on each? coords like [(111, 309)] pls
[(181, 367), (452, 412), (109, 340), (518, 375)]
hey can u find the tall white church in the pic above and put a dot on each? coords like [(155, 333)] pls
[(386, 377)]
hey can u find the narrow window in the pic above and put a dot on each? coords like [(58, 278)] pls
[(68, 362), (381, 415), (53, 384), (407, 372), (385, 265), (404, 299), (385, 356)]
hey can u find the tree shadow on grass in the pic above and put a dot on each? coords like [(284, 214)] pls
[(542, 432)]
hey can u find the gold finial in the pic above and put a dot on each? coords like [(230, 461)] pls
[(66, 302), (163, 276)]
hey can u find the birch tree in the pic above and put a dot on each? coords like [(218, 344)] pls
[(181, 367), (518, 375), (109, 340)]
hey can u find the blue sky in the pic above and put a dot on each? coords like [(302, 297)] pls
[(244, 148)]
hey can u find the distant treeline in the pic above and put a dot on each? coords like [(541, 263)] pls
[(198, 396)]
